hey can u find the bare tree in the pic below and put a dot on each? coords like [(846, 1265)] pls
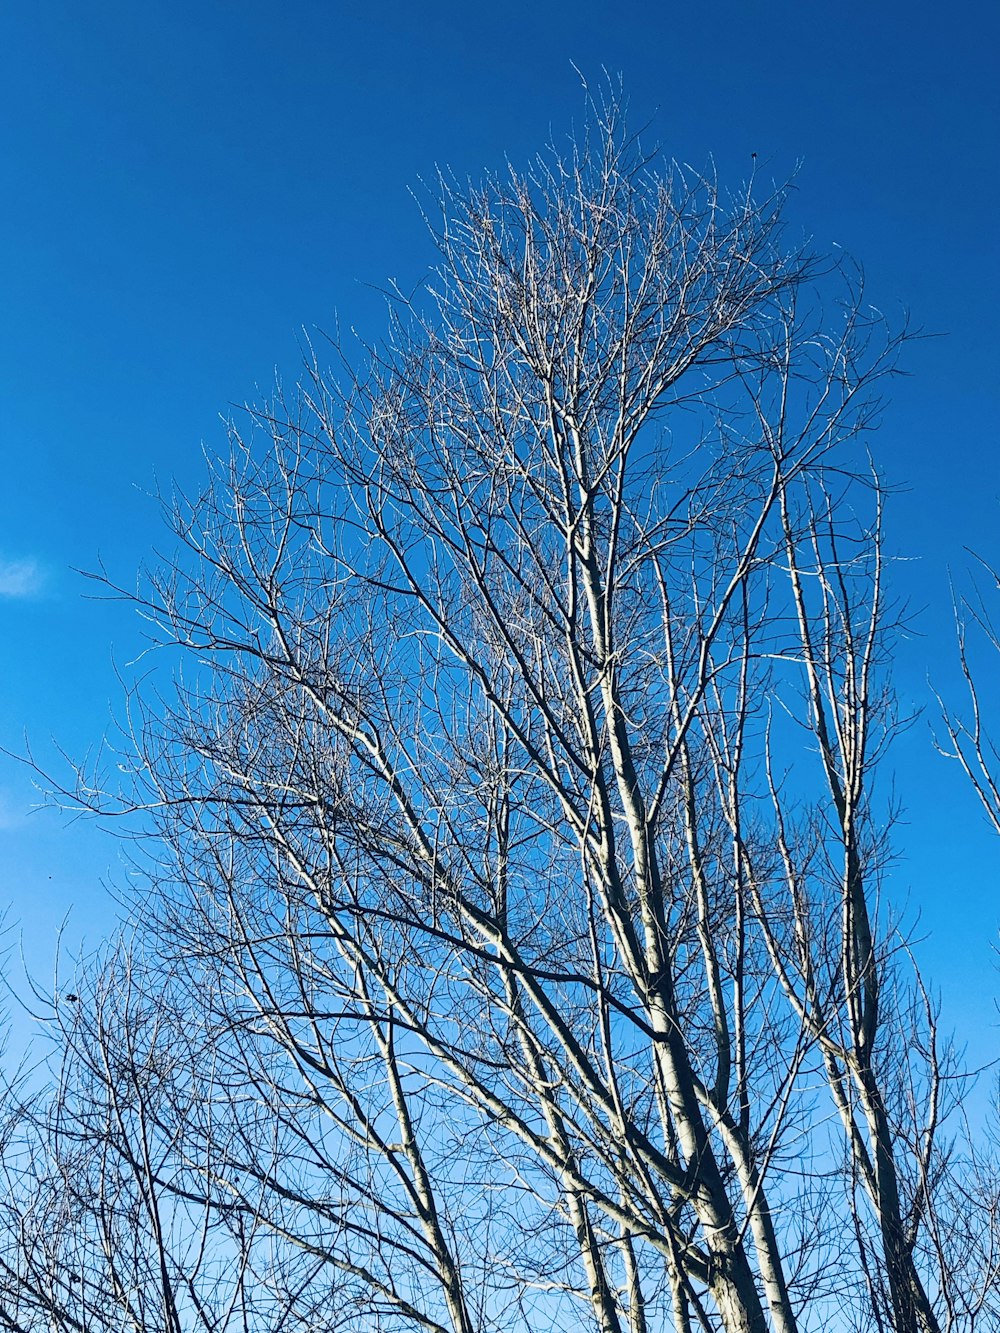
[(518, 848), (99, 1230)]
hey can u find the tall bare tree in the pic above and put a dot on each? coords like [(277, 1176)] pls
[(518, 847)]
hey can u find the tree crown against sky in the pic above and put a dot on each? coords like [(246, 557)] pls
[(516, 949), (193, 185)]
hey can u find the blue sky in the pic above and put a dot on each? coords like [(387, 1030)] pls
[(186, 186)]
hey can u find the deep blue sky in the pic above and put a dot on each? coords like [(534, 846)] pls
[(187, 185)]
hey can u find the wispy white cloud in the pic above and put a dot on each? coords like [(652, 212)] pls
[(21, 579)]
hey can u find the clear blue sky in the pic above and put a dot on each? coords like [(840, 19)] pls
[(187, 185)]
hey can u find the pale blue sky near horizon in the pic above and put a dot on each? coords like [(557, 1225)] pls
[(188, 186)]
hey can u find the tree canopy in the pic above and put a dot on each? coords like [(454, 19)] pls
[(515, 951)]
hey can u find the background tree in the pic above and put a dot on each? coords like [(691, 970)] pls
[(517, 953), (971, 736)]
